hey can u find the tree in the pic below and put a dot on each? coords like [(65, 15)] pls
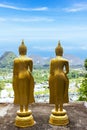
[(83, 90), (85, 64), (83, 87), (2, 84)]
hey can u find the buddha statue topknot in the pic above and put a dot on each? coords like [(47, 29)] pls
[(59, 50), (22, 48)]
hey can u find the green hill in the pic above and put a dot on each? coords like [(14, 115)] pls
[(6, 60)]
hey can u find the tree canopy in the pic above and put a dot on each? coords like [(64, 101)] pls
[(83, 87)]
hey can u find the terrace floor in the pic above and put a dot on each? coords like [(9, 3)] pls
[(76, 112)]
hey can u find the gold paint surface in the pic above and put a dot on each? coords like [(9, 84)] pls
[(23, 86), (58, 87)]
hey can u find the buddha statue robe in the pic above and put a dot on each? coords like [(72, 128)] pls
[(23, 81), (58, 80)]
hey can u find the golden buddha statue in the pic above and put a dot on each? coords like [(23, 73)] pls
[(58, 84), (23, 86)]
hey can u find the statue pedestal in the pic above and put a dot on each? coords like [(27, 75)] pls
[(59, 118), (24, 119)]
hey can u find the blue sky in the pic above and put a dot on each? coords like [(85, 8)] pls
[(41, 23)]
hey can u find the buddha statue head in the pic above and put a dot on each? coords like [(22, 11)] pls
[(59, 50), (22, 48)]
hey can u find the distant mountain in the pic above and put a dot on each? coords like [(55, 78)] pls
[(39, 60), (73, 60), (6, 60)]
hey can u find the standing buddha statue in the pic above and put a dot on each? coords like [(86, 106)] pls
[(58, 85), (23, 86)]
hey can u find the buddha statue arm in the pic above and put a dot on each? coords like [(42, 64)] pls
[(15, 74), (14, 69), (31, 65), (66, 68), (51, 68)]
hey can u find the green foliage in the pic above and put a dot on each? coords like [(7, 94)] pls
[(4, 72), (2, 84), (6, 60), (46, 91), (85, 64), (83, 87), (74, 74), (40, 75), (83, 90)]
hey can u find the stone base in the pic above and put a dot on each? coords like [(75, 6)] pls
[(59, 118), (24, 119)]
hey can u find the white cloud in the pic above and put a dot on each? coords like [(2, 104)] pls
[(2, 19), (74, 46), (33, 19), (83, 47), (44, 48), (77, 7), (23, 9), (38, 9)]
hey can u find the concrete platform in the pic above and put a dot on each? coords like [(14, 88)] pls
[(76, 112)]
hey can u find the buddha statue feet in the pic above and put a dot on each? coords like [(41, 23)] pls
[(59, 118), (24, 119)]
